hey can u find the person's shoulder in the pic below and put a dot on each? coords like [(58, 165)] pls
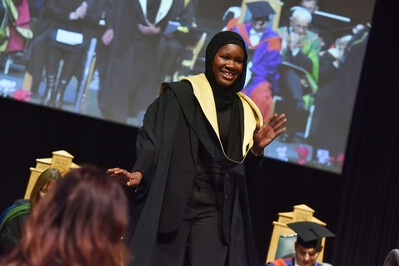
[(178, 89), (312, 36), (175, 85), (241, 28), (280, 262), (17, 206), (15, 217), (272, 37), (22, 201)]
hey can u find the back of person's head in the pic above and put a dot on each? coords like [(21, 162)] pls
[(45, 182), (80, 222)]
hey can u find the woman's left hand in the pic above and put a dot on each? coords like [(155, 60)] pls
[(265, 134)]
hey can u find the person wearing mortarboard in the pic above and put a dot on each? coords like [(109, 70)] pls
[(307, 246), (264, 46)]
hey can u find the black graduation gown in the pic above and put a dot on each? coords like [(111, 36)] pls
[(129, 78), (173, 126)]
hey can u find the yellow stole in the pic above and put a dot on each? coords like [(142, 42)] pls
[(252, 116)]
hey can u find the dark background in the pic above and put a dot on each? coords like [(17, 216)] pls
[(360, 205)]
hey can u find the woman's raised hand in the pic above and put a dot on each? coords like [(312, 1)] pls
[(265, 134)]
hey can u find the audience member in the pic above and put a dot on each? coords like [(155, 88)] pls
[(80, 222), (300, 49), (307, 246), (127, 87), (180, 32), (201, 141), (264, 57), (12, 224)]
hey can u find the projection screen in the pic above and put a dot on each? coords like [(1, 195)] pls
[(320, 135)]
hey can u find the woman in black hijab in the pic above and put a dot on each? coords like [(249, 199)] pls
[(200, 141)]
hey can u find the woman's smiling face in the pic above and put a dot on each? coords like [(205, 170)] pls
[(228, 64)]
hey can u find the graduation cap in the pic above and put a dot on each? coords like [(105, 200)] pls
[(310, 234), (260, 10)]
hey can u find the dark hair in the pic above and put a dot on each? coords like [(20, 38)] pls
[(45, 178), (263, 19), (80, 222)]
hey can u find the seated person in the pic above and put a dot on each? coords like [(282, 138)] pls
[(263, 56), (67, 18), (81, 222), (14, 220), (307, 246), (320, 24), (300, 48)]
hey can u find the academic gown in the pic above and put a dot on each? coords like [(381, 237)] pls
[(173, 126), (129, 76), (286, 262), (265, 59)]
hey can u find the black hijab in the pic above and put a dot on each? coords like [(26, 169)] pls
[(224, 97), (227, 99)]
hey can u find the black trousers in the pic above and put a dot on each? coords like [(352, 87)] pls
[(72, 60), (293, 91), (197, 242)]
